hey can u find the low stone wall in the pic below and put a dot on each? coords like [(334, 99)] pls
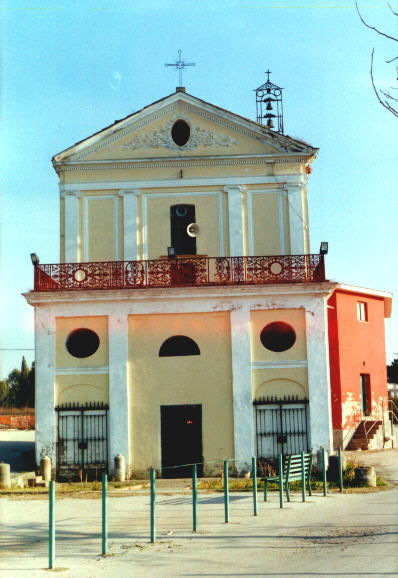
[(17, 422)]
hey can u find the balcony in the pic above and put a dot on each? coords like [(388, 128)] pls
[(182, 271)]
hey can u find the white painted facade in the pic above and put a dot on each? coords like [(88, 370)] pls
[(238, 301)]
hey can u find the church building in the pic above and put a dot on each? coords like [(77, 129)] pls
[(188, 320)]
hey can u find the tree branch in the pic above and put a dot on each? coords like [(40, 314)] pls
[(389, 5), (372, 27), (389, 96), (383, 103)]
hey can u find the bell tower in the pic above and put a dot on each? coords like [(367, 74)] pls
[(269, 105)]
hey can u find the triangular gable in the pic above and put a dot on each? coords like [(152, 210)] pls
[(214, 131)]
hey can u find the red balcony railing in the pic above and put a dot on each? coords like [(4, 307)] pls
[(180, 272)]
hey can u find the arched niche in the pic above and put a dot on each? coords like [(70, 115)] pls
[(178, 345), (82, 393), (280, 389)]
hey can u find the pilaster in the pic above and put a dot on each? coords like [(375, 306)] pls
[(235, 219), (119, 423), (242, 388), (45, 385), (297, 215), (71, 226), (130, 229), (318, 375)]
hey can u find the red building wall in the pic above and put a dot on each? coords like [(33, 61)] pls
[(355, 347)]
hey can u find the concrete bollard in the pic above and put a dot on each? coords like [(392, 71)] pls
[(5, 476), (366, 476), (45, 468), (120, 468), (333, 471)]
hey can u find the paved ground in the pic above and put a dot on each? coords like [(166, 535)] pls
[(384, 461), (350, 535)]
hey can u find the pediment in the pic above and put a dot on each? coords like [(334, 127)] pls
[(213, 131)]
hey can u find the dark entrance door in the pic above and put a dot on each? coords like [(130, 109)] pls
[(366, 398), (181, 431), (180, 217)]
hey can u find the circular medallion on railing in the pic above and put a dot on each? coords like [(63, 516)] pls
[(278, 336), (82, 342), (275, 268), (80, 275)]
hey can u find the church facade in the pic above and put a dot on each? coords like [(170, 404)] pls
[(187, 320)]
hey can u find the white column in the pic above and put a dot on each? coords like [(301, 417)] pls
[(130, 224), (45, 385), (235, 217), (321, 432), (71, 227), (119, 426), (242, 388), (296, 219)]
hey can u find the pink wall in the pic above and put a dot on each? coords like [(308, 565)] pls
[(355, 347)]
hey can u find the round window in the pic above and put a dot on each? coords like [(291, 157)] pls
[(181, 211), (82, 343), (180, 132), (278, 336)]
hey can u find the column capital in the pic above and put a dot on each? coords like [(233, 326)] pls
[(292, 187), (234, 188), (75, 194), (125, 192)]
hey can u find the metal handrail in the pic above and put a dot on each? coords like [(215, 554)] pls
[(182, 271)]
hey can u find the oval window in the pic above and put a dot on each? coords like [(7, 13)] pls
[(180, 132), (82, 343), (278, 336)]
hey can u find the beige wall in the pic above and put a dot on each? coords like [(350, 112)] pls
[(81, 388), (102, 221), (265, 223), (201, 379), (280, 382), (295, 318), (158, 223), (65, 325)]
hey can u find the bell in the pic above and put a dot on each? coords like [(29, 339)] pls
[(270, 123), (269, 106)]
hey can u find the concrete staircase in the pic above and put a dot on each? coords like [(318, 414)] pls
[(364, 433)]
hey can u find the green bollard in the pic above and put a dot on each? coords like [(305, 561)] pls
[(195, 497), (325, 489), (302, 477), (226, 492), (254, 477), (153, 504), (51, 526), (340, 470), (104, 496), (265, 490), (280, 476)]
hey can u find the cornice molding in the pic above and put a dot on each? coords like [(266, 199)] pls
[(181, 162), (278, 180)]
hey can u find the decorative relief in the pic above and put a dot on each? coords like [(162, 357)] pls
[(161, 138)]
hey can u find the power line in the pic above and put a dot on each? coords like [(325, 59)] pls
[(17, 349)]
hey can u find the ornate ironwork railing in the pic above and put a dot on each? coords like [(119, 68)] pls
[(180, 272)]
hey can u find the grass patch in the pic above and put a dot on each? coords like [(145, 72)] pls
[(70, 488)]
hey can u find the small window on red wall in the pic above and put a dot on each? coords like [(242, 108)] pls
[(362, 311)]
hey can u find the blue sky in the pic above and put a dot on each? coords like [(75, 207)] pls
[(70, 68)]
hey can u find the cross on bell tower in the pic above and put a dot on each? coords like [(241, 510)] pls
[(269, 105), (180, 64)]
